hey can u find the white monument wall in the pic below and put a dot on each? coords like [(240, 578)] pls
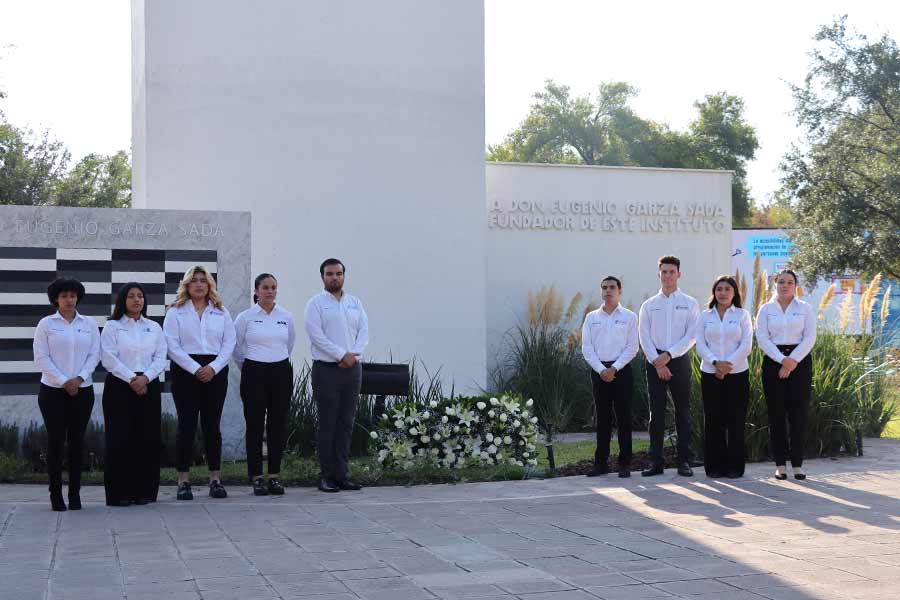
[(569, 226), (349, 129)]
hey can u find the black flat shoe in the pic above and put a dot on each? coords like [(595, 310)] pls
[(274, 486), (623, 473), (800, 476), (217, 490), (598, 469), (328, 487), (715, 474), (348, 485), (734, 475), (74, 501), (259, 487), (685, 470), (184, 491), (56, 501), (652, 471), (780, 477), (140, 501)]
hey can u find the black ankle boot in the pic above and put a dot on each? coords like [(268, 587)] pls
[(56, 500), (74, 500)]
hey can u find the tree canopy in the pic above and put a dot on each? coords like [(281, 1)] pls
[(604, 130), (844, 180)]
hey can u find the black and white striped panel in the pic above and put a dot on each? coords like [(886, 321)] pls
[(26, 272)]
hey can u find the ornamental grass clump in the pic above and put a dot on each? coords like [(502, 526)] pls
[(457, 433)]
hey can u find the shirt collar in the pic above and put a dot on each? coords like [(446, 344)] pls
[(260, 310), (58, 315), (672, 295)]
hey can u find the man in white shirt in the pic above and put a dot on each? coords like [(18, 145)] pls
[(338, 330), (609, 340), (667, 322)]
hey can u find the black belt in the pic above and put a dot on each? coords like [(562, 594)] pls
[(325, 363), (267, 364), (607, 363), (786, 348)]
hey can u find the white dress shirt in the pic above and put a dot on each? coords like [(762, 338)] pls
[(129, 345), (335, 327), (263, 337), (776, 327), (186, 334), (609, 337), (64, 350), (667, 323), (728, 339)]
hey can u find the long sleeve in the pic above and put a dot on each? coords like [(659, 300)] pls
[(227, 347), (110, 354), (41, 349), (682, 346), (158, 359), (93, 357), (312, 321), (362, 336), (809, 335), (240, 331), (292, 336), (762, 336), (173, 341), (743, 349), (644, 335), (587, 347), (703, 348), (631, 346)]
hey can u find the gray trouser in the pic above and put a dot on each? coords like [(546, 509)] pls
[(336, 392)]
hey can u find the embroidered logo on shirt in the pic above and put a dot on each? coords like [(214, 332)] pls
[(282, 323)]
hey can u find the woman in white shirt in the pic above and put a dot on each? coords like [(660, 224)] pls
[(786, 333), (66, 350), (133, 350), (200, 336), (265, 339), (724, 338)]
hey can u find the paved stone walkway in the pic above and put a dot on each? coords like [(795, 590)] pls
[(835, 536)]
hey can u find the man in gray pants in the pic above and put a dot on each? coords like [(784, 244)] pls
[(338, 331)]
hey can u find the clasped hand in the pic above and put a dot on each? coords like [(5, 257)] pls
[(608, 375), (349, 360), (139, 384), (723, 368), (787, 367), (205, 374), (71, 386)]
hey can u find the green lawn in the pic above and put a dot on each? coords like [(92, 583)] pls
[(574, 452)]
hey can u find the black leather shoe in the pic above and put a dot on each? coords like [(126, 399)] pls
[(685, 470), (217, 490), (349, 486), (654, 470), (733, 475), (259, 487), (598, 469), (56, 501), (715, 474), (74, 500), (800, 476), (328, 486), (140, 501), (275, 488), (623, 473), (184, 491)]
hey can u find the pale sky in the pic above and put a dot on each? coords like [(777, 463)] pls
[(66, 65)]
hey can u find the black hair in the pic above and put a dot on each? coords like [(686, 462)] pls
[(612, 278), (119, 310), (328, 262), (64, 284), (259, 279), (669, 260), (736, 300), (788, 272)]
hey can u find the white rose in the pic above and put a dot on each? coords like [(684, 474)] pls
[(413, 431), (530, 402), (507, 440), (449, 410), (424, 439), (432, 404), (503, 417), (456, 429), (517, 423), (489, 437), (444, 419), (426, 414), (373, 435), (521, 442), (534, 419), (399, 424), (520, 463), (525, 455), (481, 405), (384, 416), (524, 414), (492, 414), (494, 402), (437, 437), (492, 449)]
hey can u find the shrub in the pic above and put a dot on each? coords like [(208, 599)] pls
[(458, 433), (168, 434), (9, 440)]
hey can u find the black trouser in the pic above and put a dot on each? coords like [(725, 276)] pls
[(787, 398), (66, 419), (133, 441), (608, 396), (266, 393), (724, 412), (336, 392), (680, 388), (208, 399)]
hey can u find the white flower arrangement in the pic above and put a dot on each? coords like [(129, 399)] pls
[(457, 433)]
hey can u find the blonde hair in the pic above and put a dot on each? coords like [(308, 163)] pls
[(182, 296)]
